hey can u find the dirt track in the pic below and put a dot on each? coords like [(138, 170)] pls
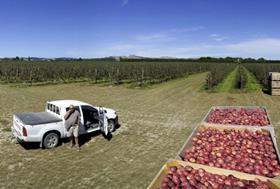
[(154, 125)]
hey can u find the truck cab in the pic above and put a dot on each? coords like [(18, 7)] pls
[(48, 127)]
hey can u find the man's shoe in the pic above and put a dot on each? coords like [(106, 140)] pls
[(71, 146), (78, 147)]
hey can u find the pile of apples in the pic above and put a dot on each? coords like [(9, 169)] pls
[(239, 116), (180, 177), (247, 151)]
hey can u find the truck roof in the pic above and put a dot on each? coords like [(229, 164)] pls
[(66, 103)]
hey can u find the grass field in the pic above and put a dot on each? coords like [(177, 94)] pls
[(228, 84), (155, 122), (252, 83)]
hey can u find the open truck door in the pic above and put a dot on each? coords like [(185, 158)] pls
[(103, 122)]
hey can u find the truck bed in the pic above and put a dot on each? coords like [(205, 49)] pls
[(37, 118)]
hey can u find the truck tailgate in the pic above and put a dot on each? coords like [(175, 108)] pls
[(37, 118)]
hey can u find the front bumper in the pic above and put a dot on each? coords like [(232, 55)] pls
[(117, 120)]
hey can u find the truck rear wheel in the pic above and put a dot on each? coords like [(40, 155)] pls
[(51, 140)]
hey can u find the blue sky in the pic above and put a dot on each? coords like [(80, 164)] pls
[(177, 28)]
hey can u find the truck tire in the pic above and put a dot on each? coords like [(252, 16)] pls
[(111, 126), (51, 140)]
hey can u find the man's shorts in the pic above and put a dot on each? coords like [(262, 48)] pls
[(74, 130)]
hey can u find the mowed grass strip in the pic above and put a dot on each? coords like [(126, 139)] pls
[(228, 84), (252, 84)]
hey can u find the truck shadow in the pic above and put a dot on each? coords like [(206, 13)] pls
[(83, 139), (30, 145)]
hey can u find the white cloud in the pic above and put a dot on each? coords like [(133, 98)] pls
[(167, 35), (155, 37), (257, 46), (122, 47), (150, 37), (214, 35), (263, 47), (188, 29), (149, 50), (218, 37), (124, 3)]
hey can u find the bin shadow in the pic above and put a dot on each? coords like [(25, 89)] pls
[(266, 91)]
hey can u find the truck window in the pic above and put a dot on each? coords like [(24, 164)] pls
[(49, 106), (57, 110), (53, 108), (76, 108)]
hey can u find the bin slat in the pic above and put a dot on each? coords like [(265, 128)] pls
[(156, 183)]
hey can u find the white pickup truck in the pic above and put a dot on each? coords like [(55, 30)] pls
[(48, 127)]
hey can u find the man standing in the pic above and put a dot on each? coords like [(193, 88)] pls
[(72, 124)]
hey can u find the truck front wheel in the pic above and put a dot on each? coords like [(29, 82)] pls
[(51, 140), (111, 126)]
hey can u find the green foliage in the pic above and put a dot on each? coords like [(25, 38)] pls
[(217, 73), (140, 73), (96, 71), (228, 83), (241, 78), (252, 84), (261, 71)]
